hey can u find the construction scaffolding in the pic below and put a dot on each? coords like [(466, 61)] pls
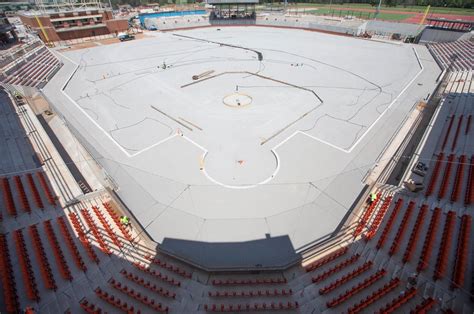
[(67, 5)]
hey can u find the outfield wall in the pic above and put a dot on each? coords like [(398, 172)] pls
[(431, 35), (335, 25)]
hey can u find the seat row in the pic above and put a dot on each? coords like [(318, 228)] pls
[(34, 190), (336, 268), (147, 284), (397, 241), (445, 52), (373, 297), (95, 231), (346, 278), (251, 308), (424, 306), (434, 175), (27, 271), (115, 301), (425, 256), (10, 296), (115, 217), (22, 194), (468, 124), (71, 245), (327, 259), (33, 71), (256, 281), (82, 237), (107, 227), (457, 186), (173, 268), (448, 131), (356, 289), (19, 66), (139, 297), (47, 190), (397, 302), (378, 218), (389, 224), (40, 73), (456, 134), (157, 274), (445, 246), (90, 307), (367, 214), (415, 234), (251, 293), (23, 198), (469, 196), (57, 251), (462, 252), (8, 198), (447, 174), (41, 257)]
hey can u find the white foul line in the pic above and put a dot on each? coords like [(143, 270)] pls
[(273, 150)]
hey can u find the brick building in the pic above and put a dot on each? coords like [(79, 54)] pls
[(73, 24)]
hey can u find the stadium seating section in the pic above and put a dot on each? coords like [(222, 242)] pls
[(404, 252)]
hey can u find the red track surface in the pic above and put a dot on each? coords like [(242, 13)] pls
[(419, 16)]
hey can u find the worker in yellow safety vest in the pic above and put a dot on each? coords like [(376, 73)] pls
[(124, 220), (372, 198)]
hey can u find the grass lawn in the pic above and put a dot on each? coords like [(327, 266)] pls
[(393, 16)]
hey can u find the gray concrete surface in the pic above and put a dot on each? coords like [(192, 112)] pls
[(285, 165)]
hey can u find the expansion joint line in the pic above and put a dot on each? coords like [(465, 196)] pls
[(259, 54)]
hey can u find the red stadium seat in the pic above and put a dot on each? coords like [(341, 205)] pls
[(401, 229), (448, 131), (442, 259), (446, 177), (356, 289), (95, 231), (28, 275), (327, 259), (336, 268), (82, 237), (347, 277), (397, 302), (71, 245), (462, 253), (57, 251), (415, 233), (389, 224), (434, 175), (373, 297), (429, 240), (45, 268), (107, 226)]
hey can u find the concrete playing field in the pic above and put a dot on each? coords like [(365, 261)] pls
[(253, 149)]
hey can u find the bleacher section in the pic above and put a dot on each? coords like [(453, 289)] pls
[(32, 69), (457, 54), (405, 252)]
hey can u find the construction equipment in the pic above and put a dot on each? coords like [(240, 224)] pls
[(203, 74)]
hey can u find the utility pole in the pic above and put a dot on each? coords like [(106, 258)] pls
[(378, 9)]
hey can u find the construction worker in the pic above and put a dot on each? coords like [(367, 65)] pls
[(124, 220), (372, 198)]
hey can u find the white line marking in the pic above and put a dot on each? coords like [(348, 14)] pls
[(107, 134), (273, 150)]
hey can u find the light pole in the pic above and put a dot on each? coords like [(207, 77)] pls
[(378, 9)]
